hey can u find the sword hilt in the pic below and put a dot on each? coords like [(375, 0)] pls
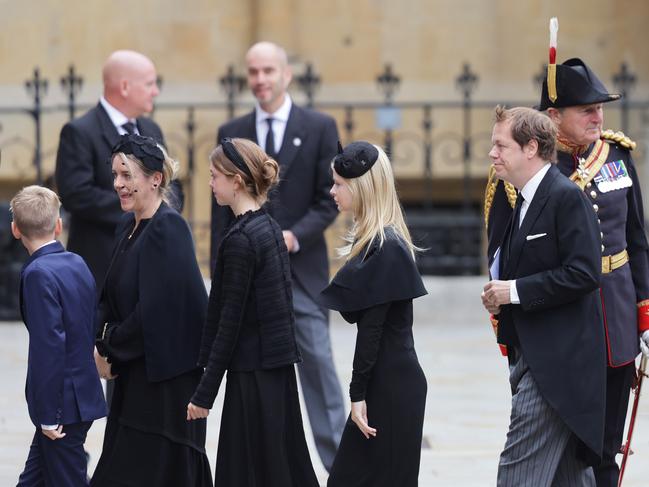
[(624, 448)]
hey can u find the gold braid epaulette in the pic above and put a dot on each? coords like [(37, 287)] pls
[(490, 192), (619, 138), (512, 194)]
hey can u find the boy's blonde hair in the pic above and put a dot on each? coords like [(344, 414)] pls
[(35, 211), (375, 206)]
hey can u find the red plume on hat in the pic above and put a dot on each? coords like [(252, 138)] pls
[(571, 83), (552, 64)]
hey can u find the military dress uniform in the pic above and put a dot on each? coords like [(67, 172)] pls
[(606, 173)]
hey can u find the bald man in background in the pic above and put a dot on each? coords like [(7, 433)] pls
[(83, 172)]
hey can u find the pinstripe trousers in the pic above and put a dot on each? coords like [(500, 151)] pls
[(540, 450)]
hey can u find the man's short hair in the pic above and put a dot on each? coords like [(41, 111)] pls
[(35, 211), (528, 124)]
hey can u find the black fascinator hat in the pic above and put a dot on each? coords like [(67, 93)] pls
[(145, 149), (355, 159)]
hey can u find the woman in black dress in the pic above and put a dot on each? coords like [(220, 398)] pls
[(381, 442), (153, 305), (250, 332)]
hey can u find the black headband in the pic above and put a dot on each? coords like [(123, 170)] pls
[(145, 149), (355, 160), (232, 153)]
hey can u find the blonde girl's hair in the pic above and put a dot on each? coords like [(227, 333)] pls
[(375, 206)]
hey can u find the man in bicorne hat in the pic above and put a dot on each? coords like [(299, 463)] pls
[(600, 163)]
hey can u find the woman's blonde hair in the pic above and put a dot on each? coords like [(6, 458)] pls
[(375, 205)]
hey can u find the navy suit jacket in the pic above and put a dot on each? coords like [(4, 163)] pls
[(555, 259), (58, 305), (85, 183), (301, 202)]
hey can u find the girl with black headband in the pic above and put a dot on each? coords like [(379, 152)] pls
[(250, 332), (153, 306), (381, 443)]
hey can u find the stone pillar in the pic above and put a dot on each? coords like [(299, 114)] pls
[(275, 21)]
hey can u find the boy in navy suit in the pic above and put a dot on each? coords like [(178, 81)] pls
[(58, 303)]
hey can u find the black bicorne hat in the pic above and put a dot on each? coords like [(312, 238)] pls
[(355, 159), (145, 149), (576, 85)]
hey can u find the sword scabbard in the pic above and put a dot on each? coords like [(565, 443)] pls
[(626, 448)]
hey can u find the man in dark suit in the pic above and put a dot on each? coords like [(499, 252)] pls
[(83, 171), (58, 305), (544, 291), (600, 164), (303, 142)]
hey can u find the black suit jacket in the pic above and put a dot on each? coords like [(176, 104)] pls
[(301, 203), (621, 218), (85, 183), (556, 261)]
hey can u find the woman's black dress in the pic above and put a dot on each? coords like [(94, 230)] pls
[(148, 441), (249, 333), (376, 291)]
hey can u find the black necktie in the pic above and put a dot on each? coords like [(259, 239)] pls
[(517, 214), (515, 224), (129, 127), (270, 139)]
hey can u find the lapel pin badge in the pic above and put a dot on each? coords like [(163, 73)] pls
[(297, 142)]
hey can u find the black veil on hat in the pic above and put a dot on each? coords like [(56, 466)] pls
[(145, 149)]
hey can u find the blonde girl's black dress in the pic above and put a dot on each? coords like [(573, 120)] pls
[(375, 290), (250, 333), (153, 305)]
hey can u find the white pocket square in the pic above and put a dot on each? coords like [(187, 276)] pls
[(535, 236)]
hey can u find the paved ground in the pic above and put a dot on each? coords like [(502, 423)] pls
[(468, 396)]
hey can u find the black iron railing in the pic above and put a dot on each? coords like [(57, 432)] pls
[(443, 210)]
